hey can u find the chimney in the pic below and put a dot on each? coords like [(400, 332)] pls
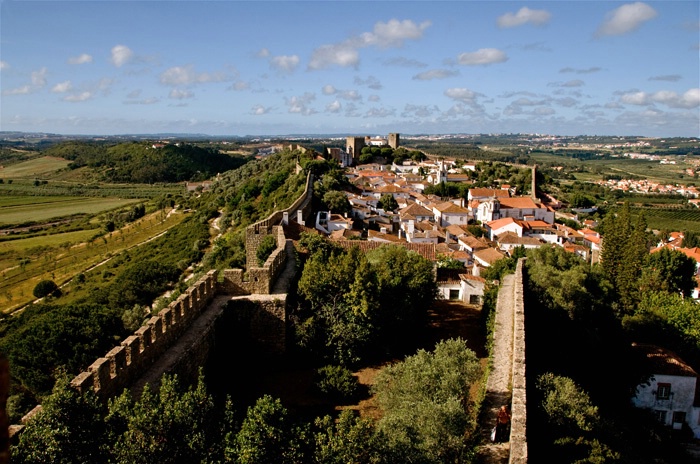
[(285, 218), (300, 217)]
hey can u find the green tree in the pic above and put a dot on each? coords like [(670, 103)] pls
[(265, 249), (68, 429), (44, 288), (267, 435), (424, 403), (669, 271), (167, 425), (347, 439), (388, 203), (337, 202)]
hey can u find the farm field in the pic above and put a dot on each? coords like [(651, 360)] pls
[(23, 266), (671, 219), (27, 187), (53, 240), (36, 167), (22, 209)]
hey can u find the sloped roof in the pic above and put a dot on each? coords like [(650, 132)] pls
[(498, 223), (489, 255), (510, 238), (414, 210), (451, 208), (663, 361), (518, 202), (481, 192)]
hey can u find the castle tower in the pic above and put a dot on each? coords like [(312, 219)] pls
[(354, 147), (394, 140)]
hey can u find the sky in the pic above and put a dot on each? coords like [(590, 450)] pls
[(263, 68)]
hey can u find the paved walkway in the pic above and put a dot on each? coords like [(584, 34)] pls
[(498, 385)]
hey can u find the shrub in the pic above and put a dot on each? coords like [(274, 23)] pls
[(265, 249), (337, 383), (45, 288)]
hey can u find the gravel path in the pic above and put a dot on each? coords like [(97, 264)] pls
[(498, 385)]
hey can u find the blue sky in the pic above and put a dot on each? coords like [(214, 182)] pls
[(359, 67)]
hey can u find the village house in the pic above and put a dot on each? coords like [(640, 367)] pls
[(670, 392), (447, 213)]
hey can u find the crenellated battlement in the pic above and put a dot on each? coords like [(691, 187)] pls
[(125, 363)]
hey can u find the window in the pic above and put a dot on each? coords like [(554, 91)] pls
[(660, 415), (678, 417), (663, 391), (454, 294)]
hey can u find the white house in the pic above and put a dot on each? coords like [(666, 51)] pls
[(448, 213), (670, 392)]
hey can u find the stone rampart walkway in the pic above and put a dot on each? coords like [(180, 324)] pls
[(498, 385)]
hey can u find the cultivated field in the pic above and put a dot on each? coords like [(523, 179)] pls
[(25, 262), (37, 167), (24, 209)]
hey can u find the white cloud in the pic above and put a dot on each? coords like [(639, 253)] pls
[(178, 94), (134, 93), (82, 58), (571, 83), (482, 57), (39, 77), (668, 77), (79, 97), (334, 107), (186, 75), (626, 18), (328, 90), (580, 71), (240, 85), (24, 90), (4, 65), (285, 63), (383, 35), (263, 53), (300, 104), (435, 74), (259, 110), (147, 101), (405, 62), (379, 112), (62, 87), (121, 54), (371, 82), (373, 98), (689, 99), (343, 55), (419, 111), (461, 94), (394, 33), (523, 16)]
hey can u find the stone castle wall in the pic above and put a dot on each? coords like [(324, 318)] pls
[(518, 429), (124, 364)]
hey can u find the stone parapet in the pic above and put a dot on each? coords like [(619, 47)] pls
[(518, 429), (123, 364)]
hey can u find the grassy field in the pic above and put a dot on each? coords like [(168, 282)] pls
[(53, 240), (27, 187), (21, 209), (37, 167), (23, 263)]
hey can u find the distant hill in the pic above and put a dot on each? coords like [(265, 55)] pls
[(142, 162)]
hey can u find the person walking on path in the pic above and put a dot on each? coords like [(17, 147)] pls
[(503, 424)]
